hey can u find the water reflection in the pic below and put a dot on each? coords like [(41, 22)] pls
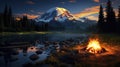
[(8, 59), (39, 50), (7, 56)]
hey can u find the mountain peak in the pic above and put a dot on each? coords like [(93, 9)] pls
[(57, 8), (57, 14)]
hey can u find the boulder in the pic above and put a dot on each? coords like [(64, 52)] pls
[(39, 52), (34, 57)]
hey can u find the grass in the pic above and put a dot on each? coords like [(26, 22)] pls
[(22, 33), (111, 39), (42, 32)]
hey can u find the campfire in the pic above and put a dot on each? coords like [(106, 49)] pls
[(94, 47)]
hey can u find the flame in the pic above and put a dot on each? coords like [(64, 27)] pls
[(94, 46)]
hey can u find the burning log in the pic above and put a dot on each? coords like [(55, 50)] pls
[(94, 47)]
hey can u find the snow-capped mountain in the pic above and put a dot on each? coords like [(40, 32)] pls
[(56, 14)]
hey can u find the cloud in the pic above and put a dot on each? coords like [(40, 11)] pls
[(96, 1), (92, 18), (30, 16), (32, 11), (88, 11), (72, 1), (62, 2), (30, 2), (115, 10), (40, 13)]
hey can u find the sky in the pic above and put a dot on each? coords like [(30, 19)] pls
[(35, 8)]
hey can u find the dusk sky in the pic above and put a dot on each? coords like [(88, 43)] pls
[(35, 8)]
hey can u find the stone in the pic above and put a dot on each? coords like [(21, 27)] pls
[(39, 52), (34, 57)]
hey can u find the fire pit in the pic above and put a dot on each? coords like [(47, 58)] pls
[(97, 52), (94, 47)]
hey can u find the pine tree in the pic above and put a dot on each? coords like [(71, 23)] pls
[(118, 21), (110, 12), (101, 20), (5, 15), (25, 23), (10, 18), (1, 22), (46, 27), (119, 14), (110, 18)]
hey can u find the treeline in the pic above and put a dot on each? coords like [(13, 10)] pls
[(8, 23), (109, 23)]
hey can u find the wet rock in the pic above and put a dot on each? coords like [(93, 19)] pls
[(24, 54), (47, 43), (40, 46), (39, 52), (34, 57)]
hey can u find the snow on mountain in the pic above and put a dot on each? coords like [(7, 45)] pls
[(56, 14)]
